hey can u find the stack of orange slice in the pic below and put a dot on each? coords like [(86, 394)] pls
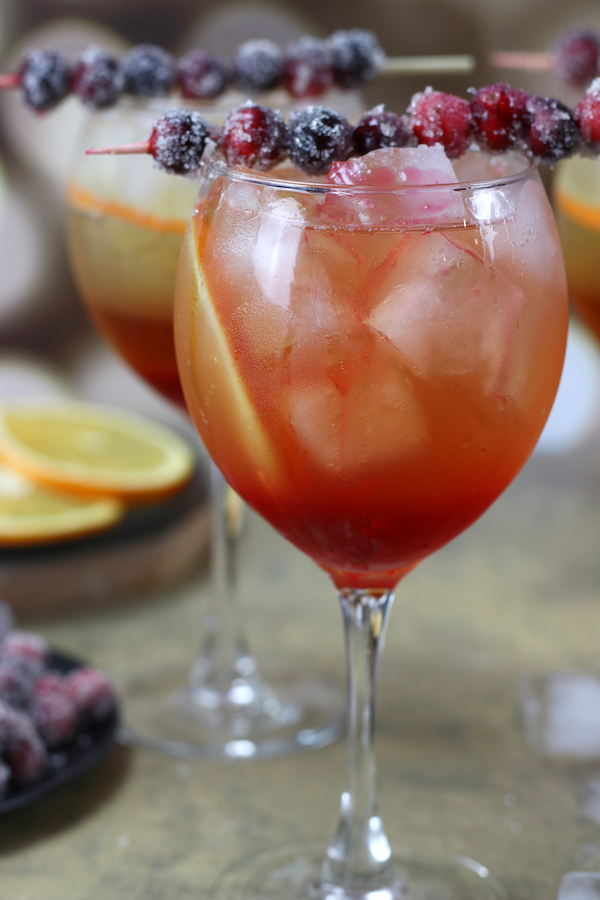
[(70, 469)]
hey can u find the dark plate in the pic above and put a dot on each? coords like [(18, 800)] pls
[(87, 749)]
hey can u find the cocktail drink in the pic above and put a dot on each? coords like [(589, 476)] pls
[(370, 358), (577, 203), (126, 222)]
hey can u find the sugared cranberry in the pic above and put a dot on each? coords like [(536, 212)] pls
[(379, 128), (254, 136), (499, 114), (308, 67), (53, 711), (357, 57), (318, 137), (17, 680), (178, 139), (93, 694), (587, 114), (258, 66), (98, 78), (200, 76), (149, 71), (438, 118), (27, 646), (25, 752), (577, 57), (45, 77), (552, 133)]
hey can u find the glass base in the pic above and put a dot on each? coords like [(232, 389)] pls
[(561, 715), (245, 722), (293, 872)]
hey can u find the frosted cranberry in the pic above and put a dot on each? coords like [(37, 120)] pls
[(25, 752), (45, 78), (379, 128), (552, 133), (93, 694), (357, 57), (98, 79), (258, 66), (438, 118), (319, 137), (499, 114), (254, 136), (17, 681), (577, 57), (26, 645), (149, 71), (201, 77), (587, 114), (54, 712), (308, 67), (178, 139)]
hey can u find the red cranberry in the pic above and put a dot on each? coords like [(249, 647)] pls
[(200, 76), (254, 136), (552, 133), (587, 114), (308, 68), (577, 57), (92, 692), (438, 118), (499, 114), (54, 712)]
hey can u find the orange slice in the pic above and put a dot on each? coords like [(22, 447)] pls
[(79, 198), (95, 451), (33, 514)]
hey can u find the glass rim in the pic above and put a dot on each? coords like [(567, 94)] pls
[(264, 179)]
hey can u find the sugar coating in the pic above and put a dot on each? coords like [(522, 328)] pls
[(308, 67), (149, 71), (256, 136), (439, 118), (45, 79), (357, 57), (379, 128), (577, 56), (500, 116), (258, 66), (587, 115), (552, 133), (200, 76), (318, 137), (178, 140), (99, 78)]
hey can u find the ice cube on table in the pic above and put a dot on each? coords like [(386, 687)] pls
[(396, 167), (580, 886)]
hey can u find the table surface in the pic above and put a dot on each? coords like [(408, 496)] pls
[(515, 596)]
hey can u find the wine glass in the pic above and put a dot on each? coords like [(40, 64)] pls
[(369, 367), (126, 221)]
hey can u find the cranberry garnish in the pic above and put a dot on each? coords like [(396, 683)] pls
[(178, 139), (98, 78), (587, 114), (54, 711), (319, 137), (308, 67), (379, 128), (258, 66), (149, 71), (499, 114), (577, 56), (254, 136), (552, 133), (357, 57), (438, 118), (45, 77), (25, 753), (200, 76), (92, 693)]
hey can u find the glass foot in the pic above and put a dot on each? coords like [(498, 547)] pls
[(293, 872), (561, 715), (247, 721)]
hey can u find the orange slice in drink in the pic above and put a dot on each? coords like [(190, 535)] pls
[(95, 451), (32, 514)]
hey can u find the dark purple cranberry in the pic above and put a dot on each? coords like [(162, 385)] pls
[(149, 71), (308, 67), (258, 66), (500, 116), (357, 57), (379, 128), (25, 752), (587, 114), (438, 118), (53, 711), (318, 137), (7, 621), (7, 714), (254, 136), (552, 133), (98, 78), (577, 57), (45, 77), (178, 139), (17, 680), (202, 77), (26, 645), (93, 694)]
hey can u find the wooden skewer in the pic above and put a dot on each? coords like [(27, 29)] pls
[(10, 80), (122, 148), (406, 65), (524, 60)]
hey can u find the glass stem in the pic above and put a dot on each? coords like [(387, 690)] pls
[(358, 858), (224, 660)]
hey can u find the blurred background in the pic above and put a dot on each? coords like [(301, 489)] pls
[(48, 345)]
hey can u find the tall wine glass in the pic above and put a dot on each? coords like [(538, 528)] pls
[(370, 367), (126, 221)]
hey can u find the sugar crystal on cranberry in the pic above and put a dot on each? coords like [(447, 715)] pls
[(500, 115), (357, 57), (254, 136), (92, 693), (53, 711), (258, 66), (577, 56), (178, 139), (17, 680), (318, 137), (45, 78), (200, 76), (379, 128), (25, 752), (439, 118), (587, 114), (26, 645), (308, 67), (552, 133), (149, 71), (98, 78)]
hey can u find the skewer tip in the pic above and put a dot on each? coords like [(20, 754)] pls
[(119, 149)]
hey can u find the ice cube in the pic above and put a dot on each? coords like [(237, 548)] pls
[(580, 886), (395, 167), (279, 235)]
